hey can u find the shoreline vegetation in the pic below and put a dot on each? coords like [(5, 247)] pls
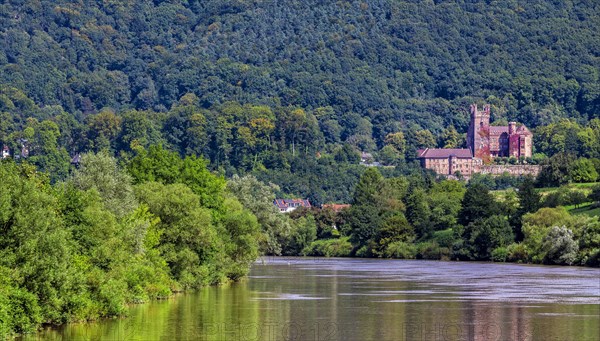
[(408, 218), (118, 233), (83, 249)]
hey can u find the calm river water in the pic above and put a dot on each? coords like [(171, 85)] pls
[(356, 299)]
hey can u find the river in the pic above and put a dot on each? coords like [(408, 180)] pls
[(367, 299)]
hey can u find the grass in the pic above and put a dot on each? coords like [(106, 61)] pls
[(584, 187), (584, 209)]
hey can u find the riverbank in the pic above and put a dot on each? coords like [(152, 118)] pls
[(85, 249)]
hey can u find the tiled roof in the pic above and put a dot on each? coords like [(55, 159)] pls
[(443, 153), (285, 203), (523, 130)]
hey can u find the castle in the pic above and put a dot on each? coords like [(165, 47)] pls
[(487, 142), (484, 143)]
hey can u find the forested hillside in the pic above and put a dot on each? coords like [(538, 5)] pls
[(389, 61), (270, 86)]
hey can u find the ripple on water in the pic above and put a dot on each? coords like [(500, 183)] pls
[(287, 297)]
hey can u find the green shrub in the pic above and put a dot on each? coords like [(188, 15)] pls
[(400, 250), (364, 252), (444, 238), (560, 246), (592, 258), (554, 199), (432, 250), (112, 294), (21, 311), (339, 247), (517, 253), (500, 254)]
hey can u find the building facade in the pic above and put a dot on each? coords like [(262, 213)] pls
[(288, 205), (487, 142), (449, 161)]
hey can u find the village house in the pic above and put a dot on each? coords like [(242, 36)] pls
[(288, 205), (5, 152)]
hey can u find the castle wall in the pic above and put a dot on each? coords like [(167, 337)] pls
[(515, 170)]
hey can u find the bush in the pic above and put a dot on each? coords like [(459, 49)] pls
[(595, 195), (560, 247), (554, 199), (576, 198), (432, 250), (400, 250), (444, 238), (517, 253), (364, 252), (329, 248), (500, 254), (19, 311)]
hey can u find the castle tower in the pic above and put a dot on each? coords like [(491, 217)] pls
[(478, 136), (512, 128)]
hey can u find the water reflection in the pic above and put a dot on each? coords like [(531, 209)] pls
[(341, 299)]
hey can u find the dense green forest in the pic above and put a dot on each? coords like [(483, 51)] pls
[(292, 91), (386, 61)]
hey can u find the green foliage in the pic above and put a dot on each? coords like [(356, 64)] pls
[(529, 201), (401, 250), (86, 248), (500, 254), (485, 235), (394, 229), (445, 202), (517, 252), (241, 245), (595, 195), (445, 238), (371, 182), (303, 233), (258, 197), (339, 247), (101, 173), (537, 225), (589, 243), (583, 170), (418, 212), (477, 203), (556, 170), (158, 164), (559, 246), (432, 250)]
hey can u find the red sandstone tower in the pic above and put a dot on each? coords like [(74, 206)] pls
[(487, 142), (478, 136)]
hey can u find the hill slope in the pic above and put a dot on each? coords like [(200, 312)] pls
[(395, 62)]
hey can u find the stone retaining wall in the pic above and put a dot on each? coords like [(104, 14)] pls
[(515, 170)]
